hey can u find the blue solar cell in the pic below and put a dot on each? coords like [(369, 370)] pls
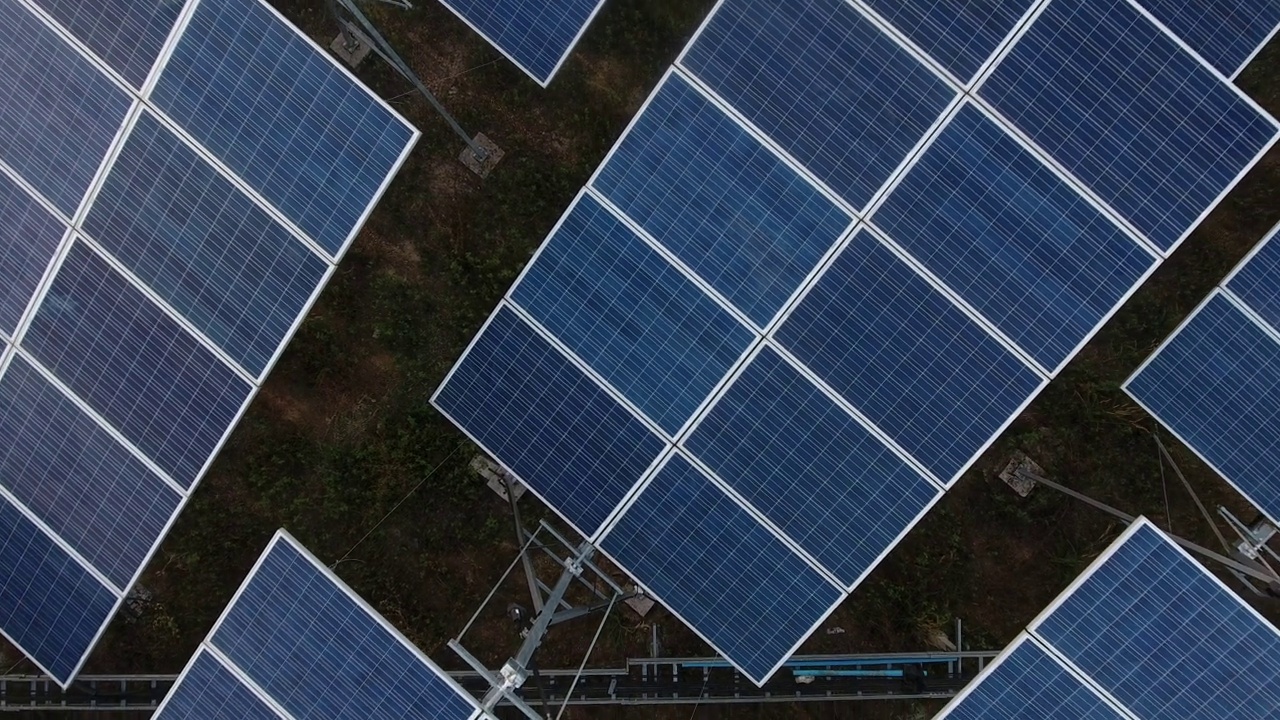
[(631, 315), (1028, 684), (825, 83), (559, 431), (76, 478), (805, 463), (1015, 241), (1257, 282), (1158, 140), (709, 561), (60, 113), (1224, 32), (731, 210), (152, 380), (209, 690), (1217, 385), (535, 34), (959, 34), (50, 606), (906, 357), (29, 237), (1151, 627), (203, 246), (127, 34), (282, 116), (308, 644)]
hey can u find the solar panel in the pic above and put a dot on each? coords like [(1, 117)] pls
[(1153, 632), (1227, 33), (813, 281), (297, 642), (1160, 141), (146, 287), (1026, 682), (536, 35)]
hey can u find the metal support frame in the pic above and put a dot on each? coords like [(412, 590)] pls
[(384, 50)]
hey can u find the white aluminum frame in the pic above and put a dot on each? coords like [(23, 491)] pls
[(141, 104), (283, 536)]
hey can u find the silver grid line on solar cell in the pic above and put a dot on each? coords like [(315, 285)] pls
[(206, 650), (69, 239), (283, 536), (1228, 79), (61, 542), (1253, 55), (1240, 306), (1040, 8), (991, 668)]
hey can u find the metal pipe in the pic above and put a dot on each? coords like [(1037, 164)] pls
[(534, 592)]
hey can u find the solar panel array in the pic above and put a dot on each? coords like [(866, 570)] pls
[(822, 270), (178, 182), (1215, 382), (536, 35), (296, 643), (1146, 633)]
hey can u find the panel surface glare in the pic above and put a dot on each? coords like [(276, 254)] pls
[(320, 655), (1151, 627), (804, 462), (249, 88), (1028, 684), (906, 357), (203, 246), (209, 690), (1012, 238), (551, 424), (1130, 113), (536, 34), (127, 34), (150, 378), (822, 81), (959, 34), (704, 557), (59, 113), (730, 209), (29, 237), (1217, 385), (630, 314), (1257, 282), (50, 606), (1224, 32), (76, 478)]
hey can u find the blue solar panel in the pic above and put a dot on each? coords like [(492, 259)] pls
[(115, 509), (1217, 385), (907, 358), (810, 467), (823, 82), (203, 246), (29, 237), (537, 35), (247, 86), (50, 606), (1009, 236), (959, 34), (1164, 638), (551, 424), (206, 690), (630, 315), (1159, 140), (1257, 282), (1224, 32), (126, 34), (59, 113), (731, 210), (711, 563), (137, 367), (1028, 684), (309, 644)]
